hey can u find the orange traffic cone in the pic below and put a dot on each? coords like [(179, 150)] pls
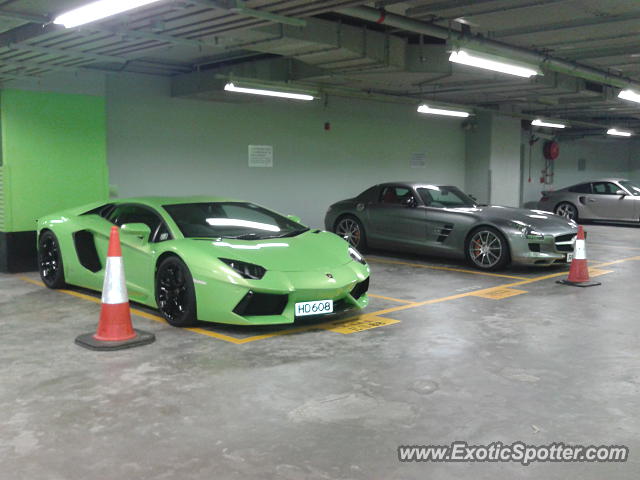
[(115, 330), (579, 270)]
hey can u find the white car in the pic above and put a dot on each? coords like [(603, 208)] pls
[(611, 199)]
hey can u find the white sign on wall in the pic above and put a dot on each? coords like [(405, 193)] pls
[(261, 155), (418, 160)]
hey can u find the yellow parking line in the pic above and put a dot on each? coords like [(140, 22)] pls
[(389, 298), (139, 313), (327, 325), (614, 262), (447, 269)]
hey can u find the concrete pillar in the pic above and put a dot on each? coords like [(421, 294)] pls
[(53, 157), (492, 164)]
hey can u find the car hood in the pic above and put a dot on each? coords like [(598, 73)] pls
[(308, 251), (545, 222)]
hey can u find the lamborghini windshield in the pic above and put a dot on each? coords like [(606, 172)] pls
[(244, 221), (445, 197)]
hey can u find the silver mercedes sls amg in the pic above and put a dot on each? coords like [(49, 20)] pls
[(442, 220), (609, 199)]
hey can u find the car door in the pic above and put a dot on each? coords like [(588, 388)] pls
[(138, 253), (605, 204), (397, 216), (634, 196), (442, 218)]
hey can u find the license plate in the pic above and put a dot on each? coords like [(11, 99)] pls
[(318, 307), (569, 257)]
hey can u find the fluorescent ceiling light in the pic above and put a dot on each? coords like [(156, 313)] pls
[(441, 111), (619, 133), (629, 95), (465, 58), (230, 87), (94, 11), (539, 123)]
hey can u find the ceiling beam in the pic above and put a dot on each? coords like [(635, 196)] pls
[(65, 52), (423, 10), (239, 7), (24, 17), (612, 51), (489, 10), (555, 26)]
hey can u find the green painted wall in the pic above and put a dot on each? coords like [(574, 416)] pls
[(53, 154)]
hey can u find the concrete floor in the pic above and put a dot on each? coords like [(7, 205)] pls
[(554, 364)]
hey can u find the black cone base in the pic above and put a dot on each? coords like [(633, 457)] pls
[(141, 338), (579, 284)]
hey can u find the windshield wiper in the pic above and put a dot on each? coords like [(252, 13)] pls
[(292, 234), (246, 236)]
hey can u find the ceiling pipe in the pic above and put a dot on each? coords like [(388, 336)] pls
[(491, 46)]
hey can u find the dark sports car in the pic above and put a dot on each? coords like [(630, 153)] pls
[(442, 220)]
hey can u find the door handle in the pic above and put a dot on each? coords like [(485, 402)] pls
[(590, 200)]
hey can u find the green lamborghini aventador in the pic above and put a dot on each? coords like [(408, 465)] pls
[(205, 258)]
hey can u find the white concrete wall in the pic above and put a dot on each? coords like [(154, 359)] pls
[(161, 145), (168, 146)]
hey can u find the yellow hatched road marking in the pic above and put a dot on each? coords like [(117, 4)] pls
[(500, 293), (366, 322), (595, 272)]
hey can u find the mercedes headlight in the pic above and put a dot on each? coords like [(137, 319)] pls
[(245, 270), (355, 255), (527, 231)]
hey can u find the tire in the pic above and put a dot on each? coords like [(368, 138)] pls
[(175, 293), (487, 249), (567, 210), (50, 263), (351, 229)]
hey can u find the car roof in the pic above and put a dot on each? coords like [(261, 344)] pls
[(415, 184), (160, 201), (610, 179)]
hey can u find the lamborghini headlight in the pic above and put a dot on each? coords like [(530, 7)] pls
[(246, 270), (355, 255)]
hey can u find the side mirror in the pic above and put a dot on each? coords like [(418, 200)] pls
[(409, 202), (140, 230), (294, 218), (621, 192)]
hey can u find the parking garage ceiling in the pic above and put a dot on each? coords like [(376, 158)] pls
[(588, 50)]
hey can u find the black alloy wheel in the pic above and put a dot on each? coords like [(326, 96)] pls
[(175, 293), (50, 260)]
